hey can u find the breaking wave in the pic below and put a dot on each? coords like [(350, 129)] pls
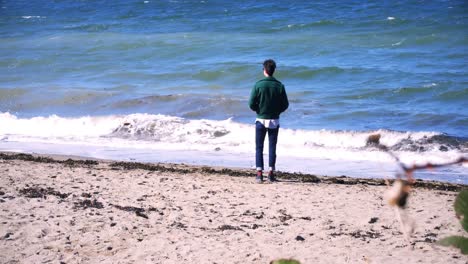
[(170, 132)]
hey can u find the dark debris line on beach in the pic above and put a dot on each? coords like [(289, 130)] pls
[(88, 203), (39, 192), (176, 168), (42, 159), (306, 178), (138, 210), (43, 192)]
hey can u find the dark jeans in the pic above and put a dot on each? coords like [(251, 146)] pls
[(260, 133)]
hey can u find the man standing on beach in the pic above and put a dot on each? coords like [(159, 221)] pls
[(268, 99)]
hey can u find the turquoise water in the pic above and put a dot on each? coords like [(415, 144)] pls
[(348, 66)]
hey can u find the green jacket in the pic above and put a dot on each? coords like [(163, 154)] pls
[(268, 98)]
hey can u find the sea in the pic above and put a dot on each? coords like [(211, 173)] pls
[(169, 81)]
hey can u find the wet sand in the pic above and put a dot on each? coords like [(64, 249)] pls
[(72, 210)]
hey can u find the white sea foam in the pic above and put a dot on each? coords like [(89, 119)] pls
[(430, 85), (144, 131), (399, 42), (56, 127), (30, 17), (165, 138)]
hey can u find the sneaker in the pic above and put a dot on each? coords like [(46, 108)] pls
[(271, 177), (259, 177)]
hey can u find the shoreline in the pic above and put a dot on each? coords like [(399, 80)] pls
[(66, 209), (230, 171), (381, 168)]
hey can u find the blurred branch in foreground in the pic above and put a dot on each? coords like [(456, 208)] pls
[(398, 193)]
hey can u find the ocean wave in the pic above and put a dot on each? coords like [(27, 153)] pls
[(188, 105), (88, 27), (305, 73), (402, 93), (33, 17), (170, 132), (22, 62), (415, 90), (210, 75), (457, 95), (439, 142), (7, 94), (20, 100), (302, 26), (147, 100)]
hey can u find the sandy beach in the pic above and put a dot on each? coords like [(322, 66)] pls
[(61, 210)]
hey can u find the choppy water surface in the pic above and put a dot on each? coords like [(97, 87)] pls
[(180, 73)]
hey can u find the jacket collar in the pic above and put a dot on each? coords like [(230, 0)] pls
[(270, 78)]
